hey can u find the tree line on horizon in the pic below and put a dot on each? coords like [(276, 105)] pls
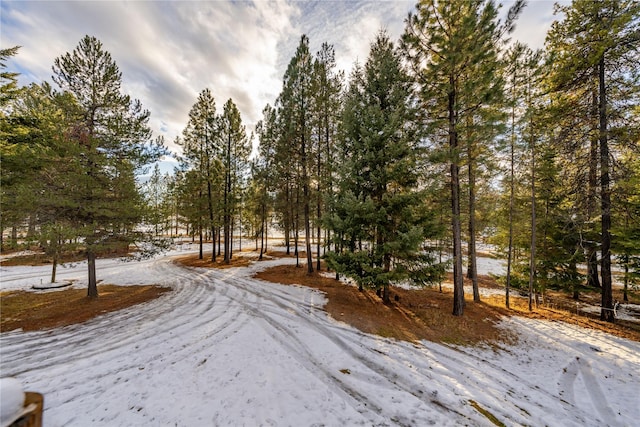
[(450, 135)]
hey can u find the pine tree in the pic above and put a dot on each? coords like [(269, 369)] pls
[(201, 151), (235, 149), (154, 191), (381, 206), (346, 220), (451, 49), (54, 174), (296, 100), (285, 167), (326, 109), (626, 233), (522, 73), (193, 207), (264, 175), (15, 151), (113, 138), (8, 80), (598, 42)]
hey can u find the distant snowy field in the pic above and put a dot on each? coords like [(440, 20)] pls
[(227, 349)]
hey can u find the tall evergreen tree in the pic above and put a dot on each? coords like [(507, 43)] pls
[(383, 207), (201, 151), (521, 73), (155, 192), (285, 166), (234, 157), (296, 101), (451, 49), (263, 172), (598, 41), (112, 134), (326, 110), (13, 154), (55, 168)]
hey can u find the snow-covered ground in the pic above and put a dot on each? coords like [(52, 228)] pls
[(226, 349)]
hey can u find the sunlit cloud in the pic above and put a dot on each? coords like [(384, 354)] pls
[(169, 51)]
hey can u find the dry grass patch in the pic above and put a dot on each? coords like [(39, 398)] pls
[(39, 259), (416, 315), (194, 261), (426, 313), (302, 255), (31, 311)]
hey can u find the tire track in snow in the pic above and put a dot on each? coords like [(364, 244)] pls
[(608, 346), (195, 306), (136, 325), (476, 375), (392, 373), (393, 376), (380, 372), (208, 306), (567, 387), (583, 416)]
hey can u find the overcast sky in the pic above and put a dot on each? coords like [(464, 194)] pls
[(169, 51)]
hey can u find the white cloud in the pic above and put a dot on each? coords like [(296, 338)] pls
[(169, 51), (534, 22)]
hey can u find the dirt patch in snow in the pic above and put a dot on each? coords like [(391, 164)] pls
[(426, 313), (31, 311), (413, 315), (194, 261), (38, 258)]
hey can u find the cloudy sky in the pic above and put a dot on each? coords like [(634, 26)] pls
[(169, 51)]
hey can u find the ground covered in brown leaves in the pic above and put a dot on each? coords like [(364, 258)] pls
[(426, 313), (206, 262), (31, 311), (38, 258), (417, 314)]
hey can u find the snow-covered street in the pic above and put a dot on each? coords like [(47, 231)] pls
[(226, 349)]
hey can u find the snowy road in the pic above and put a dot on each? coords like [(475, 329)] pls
[(226, 349)]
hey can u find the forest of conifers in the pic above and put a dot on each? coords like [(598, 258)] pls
[(449, 137)]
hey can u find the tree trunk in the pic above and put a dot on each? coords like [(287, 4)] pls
[(605, 200), (472, 268), (262, 223), (591, 247), (227, 225), (219, 233), (92, 290), (305, 201), (319, 231), (386, 298), (511, 202), (458, 284), (318, 209), (296, 225), (625, 295), (54, 266), (289, 220), (266, 234), (532, 260)]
